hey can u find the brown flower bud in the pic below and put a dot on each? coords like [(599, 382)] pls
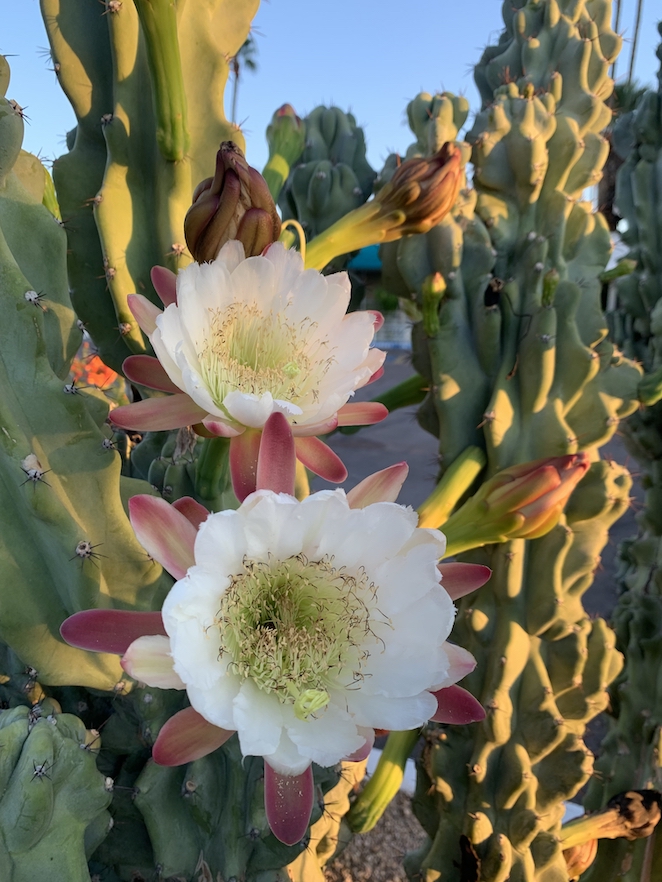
[(234, 204), (424, 188)]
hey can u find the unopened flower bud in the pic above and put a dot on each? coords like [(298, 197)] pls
[(424, 188), (520, 502), (418, 197), (234, 204)]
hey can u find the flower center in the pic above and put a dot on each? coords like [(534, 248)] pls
[(297, 628), (251, 352)]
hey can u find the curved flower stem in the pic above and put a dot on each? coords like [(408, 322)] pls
[(384, 783), (436, 509), (288, 238), (212, 474)]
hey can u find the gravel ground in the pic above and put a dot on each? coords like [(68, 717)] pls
[(377, 856)]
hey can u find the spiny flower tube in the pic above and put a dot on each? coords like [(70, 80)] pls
[(302, 626), (242, 338)]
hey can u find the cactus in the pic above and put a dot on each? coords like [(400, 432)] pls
[(510, 337), (59, 546), (332, 175), (631, 749), (53, 804), (127, 181)]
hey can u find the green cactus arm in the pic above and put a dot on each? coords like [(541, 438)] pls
[(78, 37)]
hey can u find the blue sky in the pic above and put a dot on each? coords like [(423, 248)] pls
[(367, 56)]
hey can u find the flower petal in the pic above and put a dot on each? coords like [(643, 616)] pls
[(382, 486), (461, 662), (258, 719), (322, 428), (248, 409), (194, 512), (148, 371), (276, 465), (219, 429), (158, 414), (377, 318), (362, 413), (244, 454), (288, 801), (144, 312), (165, 533), (456, 705), (319, 458), (109, 630), (363, 752), (186, 737), (149, 661), (378, 374), (165, 284), (462, 578)]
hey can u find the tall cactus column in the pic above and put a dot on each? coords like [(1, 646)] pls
[(632, 749), (513, 344)]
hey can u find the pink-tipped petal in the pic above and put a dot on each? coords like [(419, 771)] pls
[(149, 661), (288, 800), (378, 374), (276, 463), (147, 371), (244, 453), (219, 429), (322, 428), (362, 413), (144, 312), (383, 486), (165, 284), (165, 533), (456, 705), (462, 578), (320, 459), (461, 661), (194, 512), (363, 752), (377, 319), (186, 737), (109, 630), (158, 414)]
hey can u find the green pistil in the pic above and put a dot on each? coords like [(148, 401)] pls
[(295, 628)]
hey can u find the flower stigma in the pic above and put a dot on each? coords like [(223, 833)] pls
[(298, 628), (254, 352)]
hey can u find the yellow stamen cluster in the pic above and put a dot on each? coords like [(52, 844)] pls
[(297, 628), (255, 353)]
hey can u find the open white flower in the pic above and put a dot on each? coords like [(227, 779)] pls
[(304, 625), (245, 338)]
